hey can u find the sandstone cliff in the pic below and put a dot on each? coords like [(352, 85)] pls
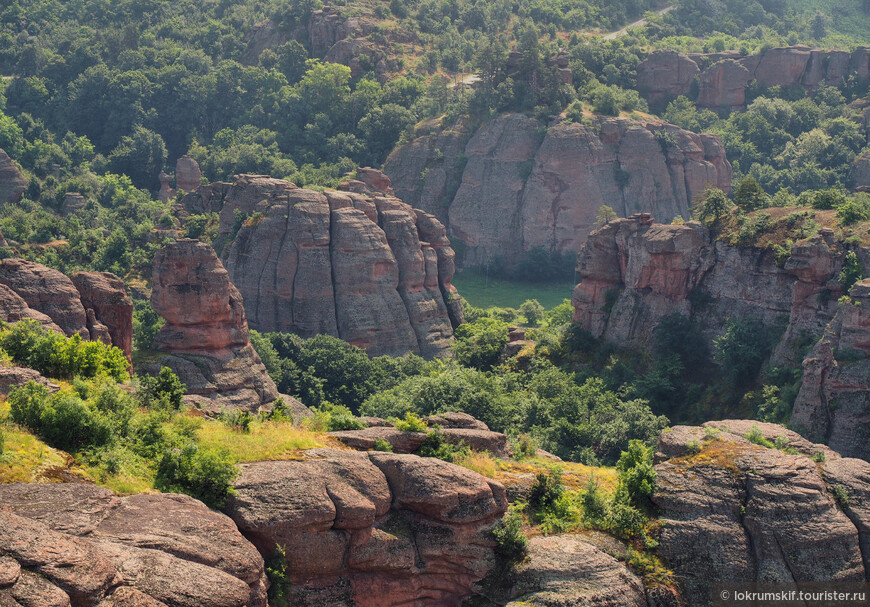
[(205, 336), (665, 75), (734, 511), (93, 305), (360, 265), (515, 186), (834, 402), (651, 270), (12, 182)]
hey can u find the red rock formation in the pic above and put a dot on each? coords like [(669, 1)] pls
[(80, 544), (518, 192), (188, 176), (104, 295), (650, 270), (723, 85), (13, 309), (12, 182), (47, 291), (834, 401), (665, 75), (371, 529), (358, 265), (751, 513), (206, 334)]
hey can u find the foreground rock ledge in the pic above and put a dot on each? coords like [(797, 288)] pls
[(371, 529), (734, 511), (80, 545)]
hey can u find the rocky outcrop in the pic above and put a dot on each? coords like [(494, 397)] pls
[(358, 264), (78, 544), (566, 571), (205, 336), (734, 511), (12, 182), (371, 529), (861, 172), (521, 188), (15, 377), (634, 272), (188, 176), (105, 298), (93, 305), (834, 401), (664, 75)]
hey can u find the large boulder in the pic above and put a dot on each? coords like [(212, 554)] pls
[(82, 545), (834, 400), (520, 187), (371, 529), (357, 264), (665, 75), (105, 296), (734, 511), (723, 85), (205, 337), (188, 176), (12, 182)]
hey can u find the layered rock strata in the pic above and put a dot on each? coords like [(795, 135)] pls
[(634, 272), (77, 544), (371, 529), (205, 336), (834, 401), (665, 75), (357, 264), (105, 298), (734, 511), (516, 186)]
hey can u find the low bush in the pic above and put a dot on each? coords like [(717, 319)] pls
[(511, 542), (411, 423), (206, 474)]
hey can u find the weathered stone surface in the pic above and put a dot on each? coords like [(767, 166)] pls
[(861, 171), (455, 419), (568, 571), (665, 75), (47, 291), (206, 333), (165, 549), (834, 401), (371, 529), (520, 190), (13, 308), (12, 182), (402, 442), (723, 85), (773, 432), (735, 511), (188, 176), (358, 265), (105, 294), (655, 267)]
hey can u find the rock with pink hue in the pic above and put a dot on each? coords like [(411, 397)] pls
[(15, 377), (205, 336), (734, 511), (723, 85), (650, 270), (166, 193), (89, 548), (13, 308), (371, 529), (520, 190), (374, 179), (188, 176), (783, 66), (861, 172), (665, 75), (105, 296), (834, 401), (12, 182), (47, 291), (356, 264)]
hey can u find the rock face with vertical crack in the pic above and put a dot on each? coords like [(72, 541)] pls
[(371, 529), (358, 264), (734, 511), (205, 337), (834, 401), (518, 186)]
